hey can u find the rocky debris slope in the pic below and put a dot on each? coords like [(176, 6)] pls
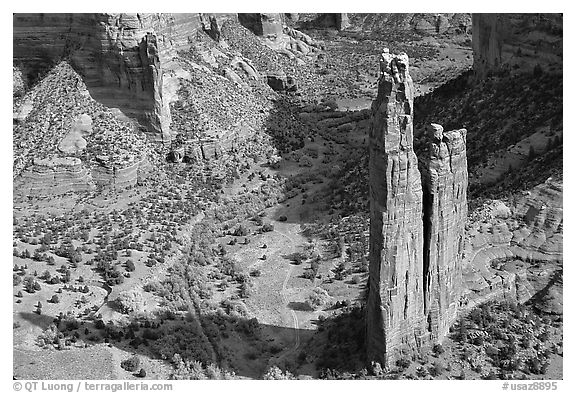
[(69, 142), (514, 249), (395, 310), (445, 183)]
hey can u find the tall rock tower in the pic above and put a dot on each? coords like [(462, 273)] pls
[(416, 223), (395, 317), (444, 181)]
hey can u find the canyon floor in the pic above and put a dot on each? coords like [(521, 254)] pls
[(258, 268)]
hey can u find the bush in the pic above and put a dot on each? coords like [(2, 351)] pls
[(131, 364), (267, 227), (438, 349), (436, 369), (403, 363), (274, 373), (130, 265), (318, 298), (129, 301), (241, 231)]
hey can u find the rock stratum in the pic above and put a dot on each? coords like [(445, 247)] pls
[(417, 222)]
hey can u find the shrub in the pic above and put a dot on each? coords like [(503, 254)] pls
[(267, 227), (130, 265), (438, 349), (129, 301), (131, 364), (436, 369), (241, 231), (318, 298), (403, 363), (274, 373)]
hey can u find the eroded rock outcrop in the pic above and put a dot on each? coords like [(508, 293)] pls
[(444, 181), (74, 141), (55, 176), (395, 318), (417, 223)]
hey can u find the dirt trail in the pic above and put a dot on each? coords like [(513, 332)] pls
[(285, 299)]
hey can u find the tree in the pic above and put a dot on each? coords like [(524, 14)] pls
[(55, 299)]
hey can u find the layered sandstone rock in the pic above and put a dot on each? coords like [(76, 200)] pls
[(110, 174), (262, 24), (395, 317), (444, 181), (55, 176), (500, 248)]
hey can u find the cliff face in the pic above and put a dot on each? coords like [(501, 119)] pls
[(444, 181), (262, 24), (517, 42), (487, 35), (395, 316), (124, 59)]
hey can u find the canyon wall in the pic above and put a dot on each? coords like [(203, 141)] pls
[(517, 42), (262, 24), (395, 317), (487, 37), (445, 182), (124, 59)]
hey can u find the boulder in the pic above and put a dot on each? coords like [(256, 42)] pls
[(74, 141)]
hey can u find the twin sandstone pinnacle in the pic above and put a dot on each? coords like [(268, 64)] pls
[(417, 219)]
